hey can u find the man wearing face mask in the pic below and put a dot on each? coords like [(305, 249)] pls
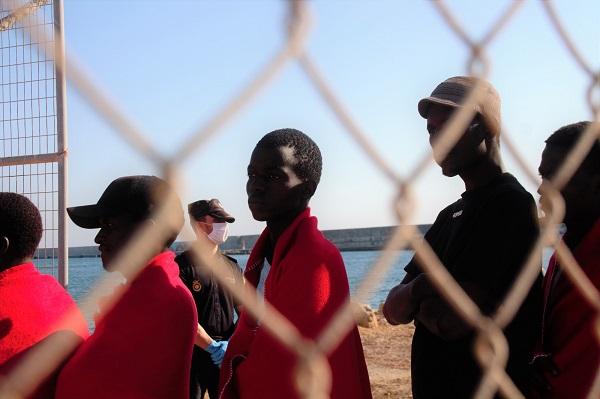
[(215, 304)]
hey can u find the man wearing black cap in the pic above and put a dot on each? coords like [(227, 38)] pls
[(483, 239), (142, 346), (214, 304)]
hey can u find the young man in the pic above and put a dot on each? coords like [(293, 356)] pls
[(32, 305), (215, 305), (297, 270), (569, 354), (483, 239), (142, 347)]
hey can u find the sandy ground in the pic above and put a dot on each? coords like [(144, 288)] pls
[(387, 350)]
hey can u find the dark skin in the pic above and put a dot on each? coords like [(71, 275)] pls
[(581, 194), (276, 194), (8, 260), (475, 158), (114, 235)]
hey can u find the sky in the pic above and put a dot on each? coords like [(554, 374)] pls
[(170, 66)]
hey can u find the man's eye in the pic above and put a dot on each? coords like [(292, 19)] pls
[(251, 174), (274, 177)]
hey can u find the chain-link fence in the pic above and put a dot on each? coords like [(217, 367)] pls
[(491, 349)]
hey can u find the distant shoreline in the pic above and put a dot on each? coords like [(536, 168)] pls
[(360, 239)]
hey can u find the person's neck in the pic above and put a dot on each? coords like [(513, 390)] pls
[(481, 174), (276, 228), (6, 264), (208, 243)]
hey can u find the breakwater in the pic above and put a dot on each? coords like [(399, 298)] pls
[(361, 239)]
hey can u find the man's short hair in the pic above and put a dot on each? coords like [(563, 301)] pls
[(567, 136), (21, 223), (306, 151)]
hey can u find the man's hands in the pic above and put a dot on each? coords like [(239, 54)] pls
[(403, 301), (421, 288), (417, 298), (217, 350)]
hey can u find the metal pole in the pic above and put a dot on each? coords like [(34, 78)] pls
[(31, 159), (61, 125)]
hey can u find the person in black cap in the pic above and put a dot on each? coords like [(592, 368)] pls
[(483, 239), (142, 346), (214, 304)]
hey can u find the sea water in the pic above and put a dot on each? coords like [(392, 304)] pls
[(83, 272)]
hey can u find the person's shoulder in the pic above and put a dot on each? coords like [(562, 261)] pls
[(315, 241), (509, 191), (52, 289), (447, 212), (235, 266), (231, 259), (186, 266), (183, 259), (50, 283), (165, 284), (312, 243)]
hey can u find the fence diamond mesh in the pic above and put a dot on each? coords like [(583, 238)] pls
[(491, 349)]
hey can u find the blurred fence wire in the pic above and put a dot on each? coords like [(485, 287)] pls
[(491, 348)]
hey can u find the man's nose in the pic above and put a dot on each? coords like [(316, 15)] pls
[(544, 186), (99, 239)]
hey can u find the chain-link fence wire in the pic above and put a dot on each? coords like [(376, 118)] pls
[(313, 376)]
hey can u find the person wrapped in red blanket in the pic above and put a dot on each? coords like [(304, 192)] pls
[(568, 353), (142, 347), (298, 272), (33, 306)]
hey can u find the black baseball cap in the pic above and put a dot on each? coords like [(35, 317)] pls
[(137, 196), (212, 208)]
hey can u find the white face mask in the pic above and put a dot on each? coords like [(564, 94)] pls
[(219, 233)]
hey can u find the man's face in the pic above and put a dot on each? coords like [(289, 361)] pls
[(581, 193), (273, 188), (115, 232), (466, 152)]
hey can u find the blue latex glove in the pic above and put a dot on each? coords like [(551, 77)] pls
[(217, 351)]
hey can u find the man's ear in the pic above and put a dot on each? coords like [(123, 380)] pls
[(4, 244)]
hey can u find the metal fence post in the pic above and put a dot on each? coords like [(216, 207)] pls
[(61, 124)]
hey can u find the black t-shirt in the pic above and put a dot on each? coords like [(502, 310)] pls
[(483, 239), (214, 304)]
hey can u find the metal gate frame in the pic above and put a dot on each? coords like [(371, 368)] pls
[(60, 156)]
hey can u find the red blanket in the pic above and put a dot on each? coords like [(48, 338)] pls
[(569, 323), (142, 348), (31, 308), (307, 283)]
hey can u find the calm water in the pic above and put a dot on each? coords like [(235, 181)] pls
[(84, 271)]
